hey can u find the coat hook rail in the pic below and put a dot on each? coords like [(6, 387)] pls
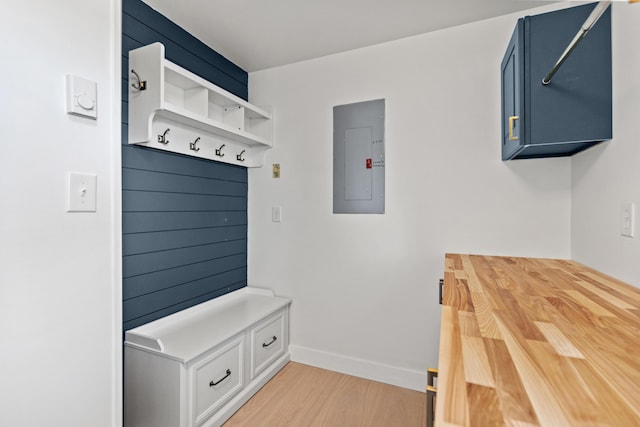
[(588, 24)]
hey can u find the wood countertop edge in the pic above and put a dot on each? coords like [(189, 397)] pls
[(536, 313)]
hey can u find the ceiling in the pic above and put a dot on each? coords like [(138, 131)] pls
[(260, 34)]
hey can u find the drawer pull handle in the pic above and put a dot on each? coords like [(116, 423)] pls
[(512, 119), (211, 384), (265, 345)]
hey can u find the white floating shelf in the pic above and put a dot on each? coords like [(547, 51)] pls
[(203, 120)]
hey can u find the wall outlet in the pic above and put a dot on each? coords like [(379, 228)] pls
[(628, 219)]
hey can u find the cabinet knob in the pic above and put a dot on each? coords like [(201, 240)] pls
[(512, 119)]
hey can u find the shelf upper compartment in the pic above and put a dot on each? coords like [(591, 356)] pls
[(198, 117)]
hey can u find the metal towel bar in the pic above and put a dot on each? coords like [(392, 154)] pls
[(588, 24)]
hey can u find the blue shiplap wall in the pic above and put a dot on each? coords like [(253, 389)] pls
[(184, 219)]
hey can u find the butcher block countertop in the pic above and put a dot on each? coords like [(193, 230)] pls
[(537, 342)]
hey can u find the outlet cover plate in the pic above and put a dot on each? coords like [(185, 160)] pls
[(628, 219)]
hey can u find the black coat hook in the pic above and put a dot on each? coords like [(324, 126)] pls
[(219, 152), (162, 139), (192, 145), (239, 156), (138, 84)]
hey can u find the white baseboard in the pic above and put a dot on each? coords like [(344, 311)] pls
[(401, 377)]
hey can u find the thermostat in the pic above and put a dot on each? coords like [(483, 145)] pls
[(81, 97)]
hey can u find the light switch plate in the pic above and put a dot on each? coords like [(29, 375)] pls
[(82, 97), (81, 192), (628, 219), (276, 214)]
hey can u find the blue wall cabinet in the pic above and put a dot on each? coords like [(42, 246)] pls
[(571, 113)]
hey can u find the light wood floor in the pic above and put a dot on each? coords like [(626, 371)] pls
[(305, 396)]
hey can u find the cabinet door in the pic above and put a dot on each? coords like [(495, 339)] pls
[(574, 110), (216, 379), (512, 77), (268, 342)]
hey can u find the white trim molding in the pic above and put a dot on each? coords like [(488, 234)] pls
[(375, 371)]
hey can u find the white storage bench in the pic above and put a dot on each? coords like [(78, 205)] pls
[(195, 368)]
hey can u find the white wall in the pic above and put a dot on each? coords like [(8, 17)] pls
[(59, 275), (608, 175), (364, 287)]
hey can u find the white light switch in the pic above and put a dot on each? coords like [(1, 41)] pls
[(628, 219), (276, 214), (82, 97), (81, 192)]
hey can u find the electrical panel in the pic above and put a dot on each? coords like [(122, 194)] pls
[(358, 157)]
